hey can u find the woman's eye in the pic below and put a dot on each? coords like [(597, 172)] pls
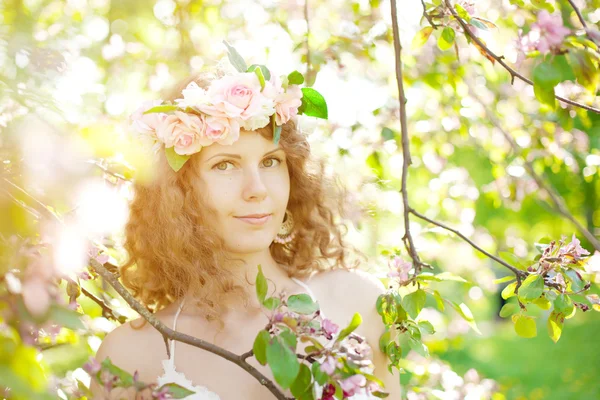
[(222, 166), (271, 162)]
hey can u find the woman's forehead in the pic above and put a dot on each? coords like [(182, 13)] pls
[(250, 143)]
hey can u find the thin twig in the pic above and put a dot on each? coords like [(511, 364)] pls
[(406, 161), (433, 24), (580, 16), (557, 200), (514, 74), (517, 272), (106, 310), (182, 337)]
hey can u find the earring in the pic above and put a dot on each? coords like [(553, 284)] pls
[(285, 234)]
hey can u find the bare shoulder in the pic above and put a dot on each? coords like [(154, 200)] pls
[(132, 348)]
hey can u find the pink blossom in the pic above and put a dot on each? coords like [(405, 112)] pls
[(35, 295), (185, 132), (92, 366), (329, 365), (574, 249), (329, 328), (239, 96), (328, 392), (399, 269), (551, 31), (353, 384)]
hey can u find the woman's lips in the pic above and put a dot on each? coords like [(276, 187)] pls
[(256, 221)]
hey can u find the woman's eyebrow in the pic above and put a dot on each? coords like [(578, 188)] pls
[(239, 157)]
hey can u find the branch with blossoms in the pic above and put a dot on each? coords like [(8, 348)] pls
[(546, 281), (548, 35)]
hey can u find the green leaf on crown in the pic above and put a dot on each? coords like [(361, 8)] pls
[(162, 108), (259, 73), (265, 71), (295, 78), (176, 161), (276, 130), (235, 58), (313, 104)]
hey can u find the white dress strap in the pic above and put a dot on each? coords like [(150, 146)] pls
[(172, 342)]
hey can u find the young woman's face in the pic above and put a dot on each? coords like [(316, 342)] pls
[(248, 185)]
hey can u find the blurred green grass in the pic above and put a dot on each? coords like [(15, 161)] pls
[(536, 368)]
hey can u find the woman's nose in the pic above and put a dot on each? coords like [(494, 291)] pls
[(254, 187)]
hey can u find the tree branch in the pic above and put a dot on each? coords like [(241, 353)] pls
[(182, 337), (557, 200), (517, 272), (580, 16), (512, 72), (406, 160)]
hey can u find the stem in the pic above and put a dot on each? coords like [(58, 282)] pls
[(580, 16)]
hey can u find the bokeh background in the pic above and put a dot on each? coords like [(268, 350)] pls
[(72, 71)]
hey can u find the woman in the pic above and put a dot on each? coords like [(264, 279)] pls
[(197, 235)]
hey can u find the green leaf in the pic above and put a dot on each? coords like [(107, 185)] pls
[(446, 39), (177, 391), (66, 317), (354, 323), (505, 279), (555, 325), (261, 77), (261, 285), (265, 71), (525, 326), (125, 377), (543, 303), (276, 130), (283, 362), (302, 304), (478, 24), (161, 109), (384, 340), (449, 276), (313, 104), (320, 376), (176, 161), (464, 14), (295, 78), (235, 58), (413, 302), (509, 309), (531, 288), (467, 315), (439, 300), (302, 382), (260, 346), (290, 339), (426, 326), (271, 303), (421, 37), (514, 260), (563, 304), (546, 75), (509, 290), (388, 134), (418, 347), (577, 283)]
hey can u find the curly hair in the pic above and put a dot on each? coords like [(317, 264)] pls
[(172, 251)]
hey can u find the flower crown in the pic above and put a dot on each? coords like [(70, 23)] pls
[(249, 99)]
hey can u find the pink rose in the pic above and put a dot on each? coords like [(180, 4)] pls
[(239, 96), (286, 101), (193, 96), (146, 126), (222, 130), (185, 132)]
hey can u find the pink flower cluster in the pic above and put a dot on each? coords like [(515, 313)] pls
[(546, 35), (216, 115)]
